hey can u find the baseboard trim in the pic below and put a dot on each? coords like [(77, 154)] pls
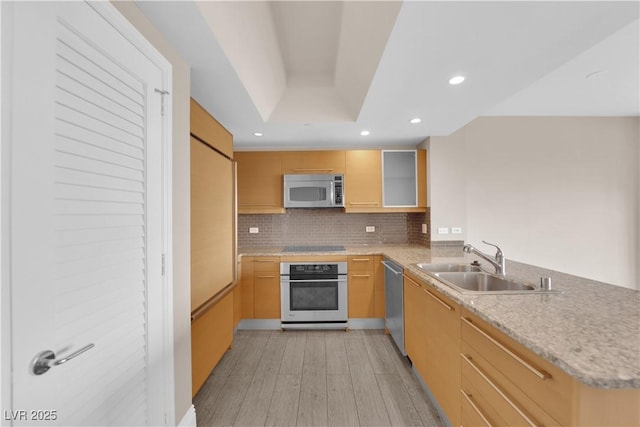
[(274, 324), (189, 418), (259, 324), (367, 323)]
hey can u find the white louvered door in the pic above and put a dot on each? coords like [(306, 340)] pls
[(86, 224)]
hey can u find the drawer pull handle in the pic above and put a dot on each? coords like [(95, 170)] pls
[(264, 260), (442, 303), (538, 373), (497, 390), (266, 277), (361, 259), (311, 170), (364, 203), (258, 204), (416, 284), (475, 408), (360, 275)]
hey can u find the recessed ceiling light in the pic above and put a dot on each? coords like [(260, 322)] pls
[(257, 134), (456, 80), (415, 120), (365, 133)]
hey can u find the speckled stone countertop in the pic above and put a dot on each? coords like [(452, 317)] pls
[(590, 330)]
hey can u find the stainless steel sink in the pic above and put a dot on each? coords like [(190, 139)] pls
[(444, 267), (483, 283)]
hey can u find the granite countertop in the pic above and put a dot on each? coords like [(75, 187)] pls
[(590, 330)]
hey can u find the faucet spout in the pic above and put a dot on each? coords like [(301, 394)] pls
[(498, 261)]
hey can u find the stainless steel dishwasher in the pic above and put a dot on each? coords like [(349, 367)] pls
[(394, 303)]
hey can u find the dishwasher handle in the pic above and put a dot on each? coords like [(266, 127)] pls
[(390, 266)]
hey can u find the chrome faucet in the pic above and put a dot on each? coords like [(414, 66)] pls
[(498, 262)]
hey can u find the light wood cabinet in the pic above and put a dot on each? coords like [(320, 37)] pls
[(245, 284), (415, 321), (361, 289), (266, 285), (313, 162), (363, 181), (259, 182), (364, 178), (432, 342), (442, 368), (213, 261), (379, 292)]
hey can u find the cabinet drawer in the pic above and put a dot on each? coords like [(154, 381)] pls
[(361, 263), (361, 295), (267, 296), (473, 409), (518, 371), (492, 402), (266, 265)]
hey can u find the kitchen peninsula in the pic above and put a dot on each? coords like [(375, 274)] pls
[(589, 331)]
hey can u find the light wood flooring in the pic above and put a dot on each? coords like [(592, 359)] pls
[(313, 378)]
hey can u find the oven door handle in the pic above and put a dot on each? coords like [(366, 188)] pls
[(340, 280)]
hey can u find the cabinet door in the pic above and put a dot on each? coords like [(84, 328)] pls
[(414, 324), (212, 230), (266, 285), (259, 182), (379, 292), (442, 370), (363, 180), (361, 294), (246, 288), (399, 176), (313, 162)]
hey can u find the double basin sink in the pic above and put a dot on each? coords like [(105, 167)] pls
[(468, 278)]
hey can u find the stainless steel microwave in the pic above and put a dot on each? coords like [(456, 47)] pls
[(314, 191)]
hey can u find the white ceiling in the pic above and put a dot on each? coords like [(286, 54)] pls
[(315, 74)]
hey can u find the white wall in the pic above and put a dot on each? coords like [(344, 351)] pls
[(556, 192), (446, 181), (180, 95)]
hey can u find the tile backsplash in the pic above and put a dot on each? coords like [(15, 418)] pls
[(331, 227)]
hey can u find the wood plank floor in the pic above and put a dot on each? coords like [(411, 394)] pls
[(313, 378)]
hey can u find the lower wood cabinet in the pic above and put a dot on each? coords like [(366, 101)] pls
[(260, 287), (510, 385), (432, 342), (365, 287)]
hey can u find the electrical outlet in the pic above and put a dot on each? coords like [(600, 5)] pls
[(424, 228), (456, 230), (254, 230), (370, 229), (443, 230)]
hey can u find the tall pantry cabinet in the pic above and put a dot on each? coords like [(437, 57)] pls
[(213, 263)]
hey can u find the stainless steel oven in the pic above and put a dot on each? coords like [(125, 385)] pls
[(313, 295)]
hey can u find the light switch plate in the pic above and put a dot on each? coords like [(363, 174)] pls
[(443, 230), (254, 230), (456, 230), (370, 229), (424, 228)]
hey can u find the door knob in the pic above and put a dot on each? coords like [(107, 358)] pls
[(45, 360)]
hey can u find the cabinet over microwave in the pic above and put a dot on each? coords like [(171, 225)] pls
[(313, 191)]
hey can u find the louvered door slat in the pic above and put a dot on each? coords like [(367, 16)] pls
[(132, 125), (94, 62), (77, 161), (70, 176), (97, 264), (98, 140), (81, 148), (68, 116), (76, 222)]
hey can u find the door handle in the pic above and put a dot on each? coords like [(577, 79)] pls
[(47, 359)]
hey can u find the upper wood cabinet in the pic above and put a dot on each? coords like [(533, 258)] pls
[(363, 181), (313, 162), (209, 130), (259, 182)]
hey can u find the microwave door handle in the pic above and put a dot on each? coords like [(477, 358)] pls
[(332, 200)]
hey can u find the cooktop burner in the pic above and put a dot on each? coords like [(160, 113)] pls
[(335, 248)]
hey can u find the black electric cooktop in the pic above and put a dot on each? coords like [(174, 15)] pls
[(328, 248)]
